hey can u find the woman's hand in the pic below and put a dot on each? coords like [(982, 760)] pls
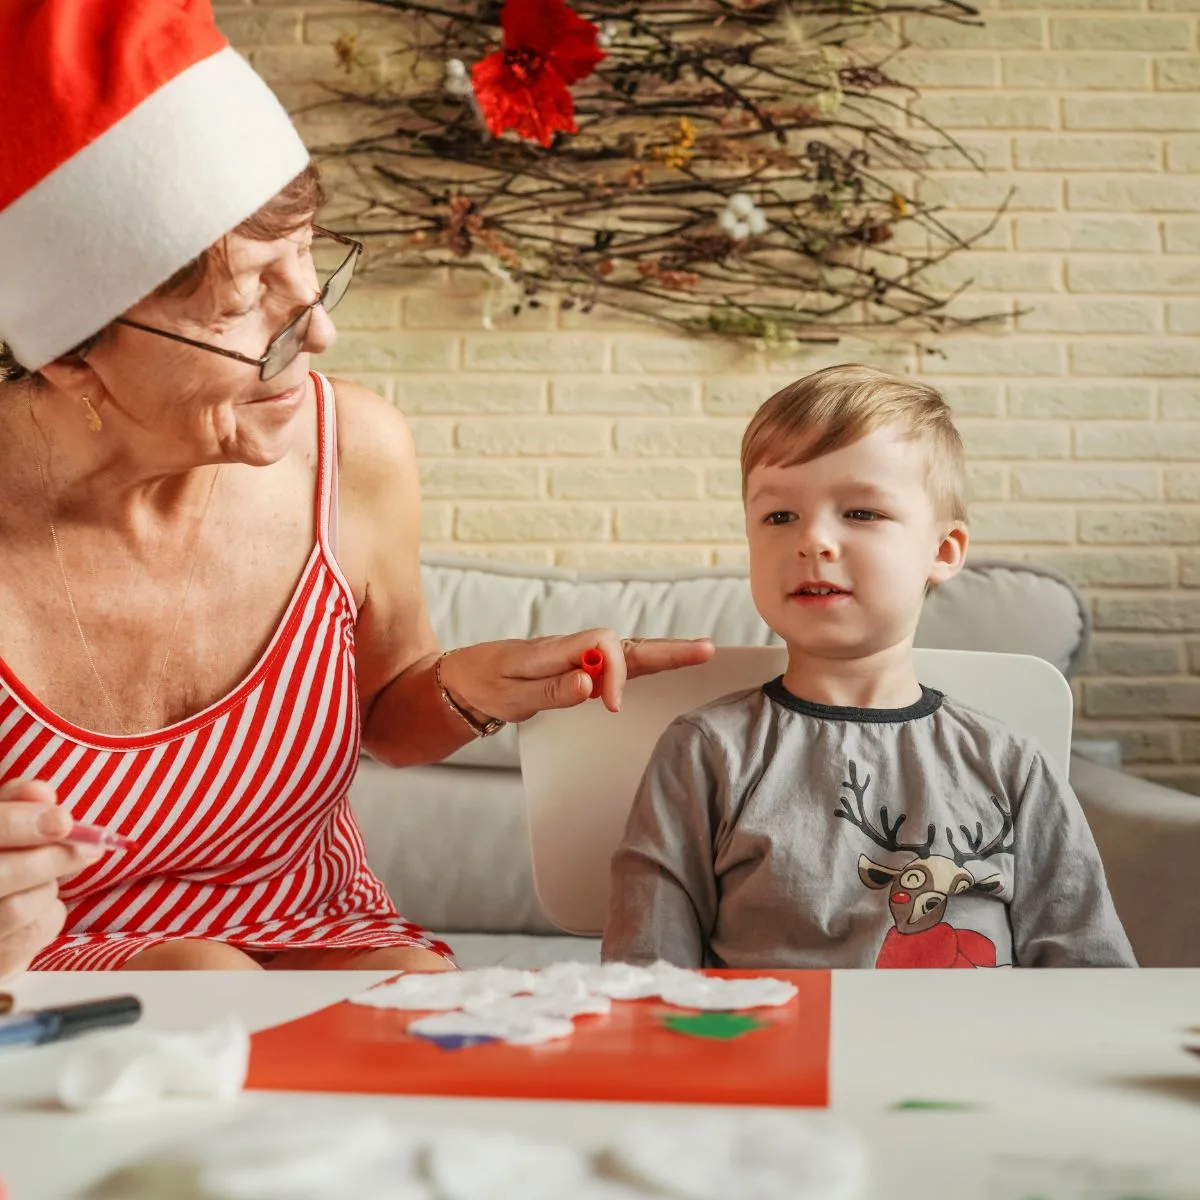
[(514, 679), (33, 858)]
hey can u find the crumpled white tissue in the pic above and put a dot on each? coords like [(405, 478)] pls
[(547, 1004), (617, 981), (725, 995), (132, 1066), (766, 1156), (322, 1152), (571, 989), (518, 1029), (477, 1164), (281, 1158), (442, 991), (674, 985)]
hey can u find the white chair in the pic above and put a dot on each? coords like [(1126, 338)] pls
[(581, 766)]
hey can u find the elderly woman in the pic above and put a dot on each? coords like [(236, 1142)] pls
[(211, 597)]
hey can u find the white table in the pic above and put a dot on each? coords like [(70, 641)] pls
[(1070, 1063)]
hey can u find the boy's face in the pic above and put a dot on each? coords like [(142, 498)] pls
[(842, 547)]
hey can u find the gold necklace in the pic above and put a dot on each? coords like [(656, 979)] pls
[(87, 650)]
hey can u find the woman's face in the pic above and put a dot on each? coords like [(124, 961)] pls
[(182, 401)]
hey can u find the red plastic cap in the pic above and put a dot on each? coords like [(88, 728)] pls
[(592, 662)]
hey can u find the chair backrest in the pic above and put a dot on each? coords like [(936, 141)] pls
[(581, 766)]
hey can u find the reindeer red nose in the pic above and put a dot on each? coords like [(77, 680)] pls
[(901, 898)]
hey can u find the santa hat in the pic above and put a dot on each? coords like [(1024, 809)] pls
[(133, 137)]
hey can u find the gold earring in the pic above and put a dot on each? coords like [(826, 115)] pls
[(94, 423)]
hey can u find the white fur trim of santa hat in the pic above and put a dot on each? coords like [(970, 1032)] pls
[(121, 215)]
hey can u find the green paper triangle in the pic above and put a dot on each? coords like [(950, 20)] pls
[(722, 1026)]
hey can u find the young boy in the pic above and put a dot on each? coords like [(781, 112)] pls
[(843, 815)]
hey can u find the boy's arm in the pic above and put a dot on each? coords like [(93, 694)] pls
[(663, 903), (1062, 913)]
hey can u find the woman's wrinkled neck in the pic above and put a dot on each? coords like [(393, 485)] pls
[(96, 464)]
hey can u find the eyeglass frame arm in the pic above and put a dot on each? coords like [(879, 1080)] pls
[(356, 249)]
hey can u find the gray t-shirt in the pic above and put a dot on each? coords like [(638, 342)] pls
[(769, 831)]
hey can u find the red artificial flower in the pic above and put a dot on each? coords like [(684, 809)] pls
[(524, 87)]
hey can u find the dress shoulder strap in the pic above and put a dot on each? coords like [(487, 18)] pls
[(327, 456)]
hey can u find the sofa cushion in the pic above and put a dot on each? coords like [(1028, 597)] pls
[(1005, 606), (1149, 838), (451, 846), (527, 952)]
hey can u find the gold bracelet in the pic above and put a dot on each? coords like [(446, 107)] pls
[(479, 728)]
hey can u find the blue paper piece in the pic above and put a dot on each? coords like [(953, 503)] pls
[(457, 1041)]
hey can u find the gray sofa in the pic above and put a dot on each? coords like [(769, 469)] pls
[(451, 843)]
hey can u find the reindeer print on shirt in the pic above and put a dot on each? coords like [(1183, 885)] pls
[(920, 889)]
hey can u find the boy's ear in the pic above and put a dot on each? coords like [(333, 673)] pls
[(951, 554)]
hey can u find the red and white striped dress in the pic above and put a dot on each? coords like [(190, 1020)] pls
[(241, 812)]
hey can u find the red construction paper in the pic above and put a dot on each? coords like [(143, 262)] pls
[(627, 1055)]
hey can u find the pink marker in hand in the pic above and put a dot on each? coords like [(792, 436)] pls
[(593, 663), (92, 835)]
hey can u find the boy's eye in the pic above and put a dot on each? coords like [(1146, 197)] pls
[(779, 518), (861, 514)]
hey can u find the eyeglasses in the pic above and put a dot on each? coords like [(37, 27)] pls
[(283, 348)]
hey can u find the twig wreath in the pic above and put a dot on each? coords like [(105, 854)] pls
[(725, 166)]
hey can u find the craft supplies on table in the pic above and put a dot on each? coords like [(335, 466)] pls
[(315, 1152), (38, 1026), (752, 1038)]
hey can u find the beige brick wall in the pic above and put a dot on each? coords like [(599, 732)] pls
[(590, 442)]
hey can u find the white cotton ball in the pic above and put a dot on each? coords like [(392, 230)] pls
[(563, 1004), (741, 204), (134, 1066), (725, 995), (620, 981), (728, 221), (295, 1155), (524, 1031), (756, 1156), (757, 221), (476, 1164), (442, 991), (457, 81)]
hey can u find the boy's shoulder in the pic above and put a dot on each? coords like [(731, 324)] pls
[(722, 718), (1001, 740), (732, 707)]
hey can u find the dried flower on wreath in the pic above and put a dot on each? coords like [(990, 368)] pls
[(525, 86), (745, 168)]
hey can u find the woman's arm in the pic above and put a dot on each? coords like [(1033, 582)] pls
[(406, 720)]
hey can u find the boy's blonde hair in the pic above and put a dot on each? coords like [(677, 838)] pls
[(847, 402)]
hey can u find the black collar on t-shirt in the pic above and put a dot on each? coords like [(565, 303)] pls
[(930, 702)]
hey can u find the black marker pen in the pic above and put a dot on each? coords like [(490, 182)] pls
[(53, 1024)]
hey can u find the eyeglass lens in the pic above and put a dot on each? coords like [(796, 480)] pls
[(282, 352)]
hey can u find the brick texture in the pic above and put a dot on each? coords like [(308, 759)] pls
[(601, 441)]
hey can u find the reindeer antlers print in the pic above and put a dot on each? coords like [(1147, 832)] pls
[(886, 839), (998, 845)]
